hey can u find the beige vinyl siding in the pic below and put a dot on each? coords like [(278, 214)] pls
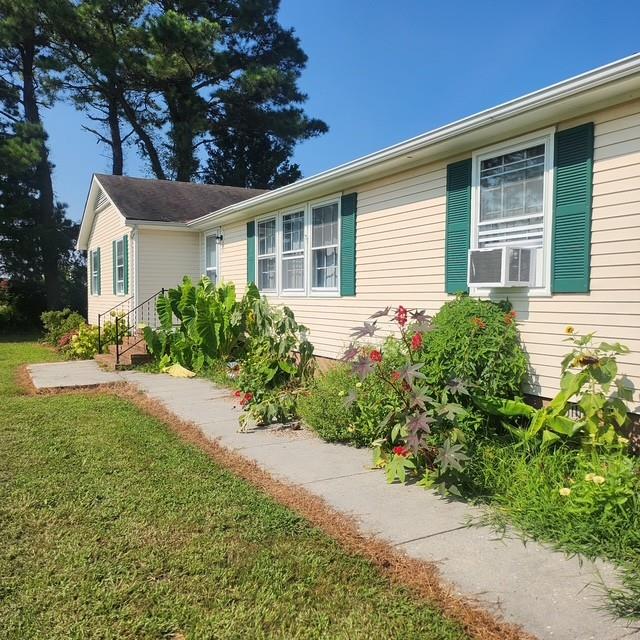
[(400, 258), (165, 257), (108, 225)]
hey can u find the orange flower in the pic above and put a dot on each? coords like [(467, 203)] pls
[(479, 323), (510, 317)]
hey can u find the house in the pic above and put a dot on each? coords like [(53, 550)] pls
[(536, 200)]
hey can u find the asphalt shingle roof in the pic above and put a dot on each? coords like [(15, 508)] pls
[(169, 201)]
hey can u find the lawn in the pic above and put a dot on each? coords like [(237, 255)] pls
[(111, 527)]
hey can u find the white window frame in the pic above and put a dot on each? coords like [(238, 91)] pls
[(95, 273), (267, 218), (542, 288), (309, 290), (120, 254), (281, 253), (215, 233), (323, 291)]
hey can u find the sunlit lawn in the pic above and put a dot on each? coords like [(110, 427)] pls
[(111, 527)]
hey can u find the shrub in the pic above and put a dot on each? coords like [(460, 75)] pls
[(9, 318), (476, 341), (84, 344), (59, 323), (323, 407)]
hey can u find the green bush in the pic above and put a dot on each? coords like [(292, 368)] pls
[(60, 323), (84, 344), (9, 318), (342, 408), (475, 341)]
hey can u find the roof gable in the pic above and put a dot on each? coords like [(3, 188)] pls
[(141, 200)]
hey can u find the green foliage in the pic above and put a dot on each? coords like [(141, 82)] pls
[(475, 341), (593, 387), (9, 318), (57, 324), (84, 344), (212, 324)]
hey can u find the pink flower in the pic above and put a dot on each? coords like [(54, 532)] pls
[(375, 356), (416, 341)]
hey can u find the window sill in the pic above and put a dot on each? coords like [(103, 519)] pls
[(519, 292)]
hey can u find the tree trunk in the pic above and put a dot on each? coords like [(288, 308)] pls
[(184, 114), (117, 156), (145, 139), (44, 184)]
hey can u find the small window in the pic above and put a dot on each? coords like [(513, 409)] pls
[(293, 251), (120, 267), (211, 257), (94, 263), (512, 198), (324, 246), (267, 255)]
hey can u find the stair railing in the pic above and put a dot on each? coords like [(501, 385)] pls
[(144, 313), (108, 312)]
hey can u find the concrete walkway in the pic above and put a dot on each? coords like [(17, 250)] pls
[(550, 595)]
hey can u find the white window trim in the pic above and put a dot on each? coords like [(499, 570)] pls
[(546, 137), (120, 252), (266, 218), (215, 232), (92, 263), (304, 209), (308, 290)]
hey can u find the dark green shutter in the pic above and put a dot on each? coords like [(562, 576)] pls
[(348, 208), (573, 181), (115, 269), (251, 252), (90, 272), (458, 226), (99, 270), (125, 250)]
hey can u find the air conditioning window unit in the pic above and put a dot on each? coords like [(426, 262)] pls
[(501, 267)]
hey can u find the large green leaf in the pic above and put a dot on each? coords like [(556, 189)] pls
[(505, 408), (204, 326), (165, 312), (563, 425)]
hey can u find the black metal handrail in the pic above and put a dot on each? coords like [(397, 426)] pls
[(123, 322), (108, 312)]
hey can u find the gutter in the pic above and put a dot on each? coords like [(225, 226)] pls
[(578, 84)]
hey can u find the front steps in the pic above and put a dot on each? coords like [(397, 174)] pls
[(135, 353)]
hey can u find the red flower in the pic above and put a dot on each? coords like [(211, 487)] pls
[(479, 323), (510, 317), (401, 451), (375, 356), (238, 394), (247, 398), (395, 376), (401, 316), (416, 341)]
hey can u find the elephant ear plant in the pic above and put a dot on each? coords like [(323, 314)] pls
[(419, 437)]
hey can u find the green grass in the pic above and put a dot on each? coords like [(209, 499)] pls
[(597, 521), (111, 527)]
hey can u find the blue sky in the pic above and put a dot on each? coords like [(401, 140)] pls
[(382, 72)]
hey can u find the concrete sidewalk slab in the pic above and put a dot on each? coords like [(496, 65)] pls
[(549, 594), (74, 373)]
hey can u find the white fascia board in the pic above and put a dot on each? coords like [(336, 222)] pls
[(158, 225), (610, 84), (89, 213)]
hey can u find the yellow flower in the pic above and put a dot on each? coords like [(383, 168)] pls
[(565, 491), (569, 330), (350, 429), (598, 480), (358, 384), (589, 477), (342, 393)]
